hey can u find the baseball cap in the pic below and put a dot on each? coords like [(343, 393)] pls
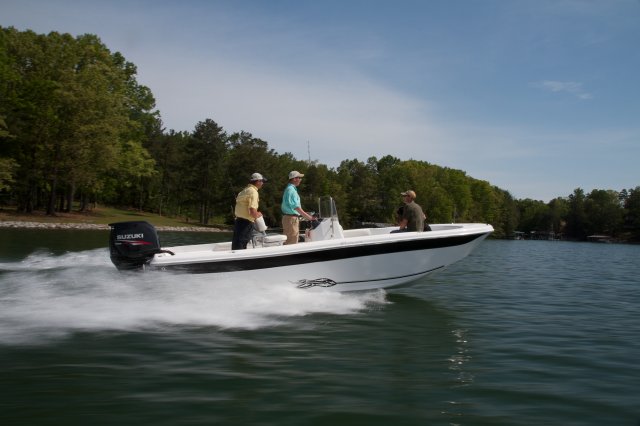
[(295, 174), (410, 193), (257, 176)]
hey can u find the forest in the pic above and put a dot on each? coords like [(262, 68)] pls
[(77, 130)]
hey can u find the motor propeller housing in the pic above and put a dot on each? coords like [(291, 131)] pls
[(133, 244)]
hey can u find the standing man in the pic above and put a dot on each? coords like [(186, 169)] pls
[(246, 212), (291, 209), (412, 218)]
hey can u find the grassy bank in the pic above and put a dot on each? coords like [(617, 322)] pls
[(101, 216)]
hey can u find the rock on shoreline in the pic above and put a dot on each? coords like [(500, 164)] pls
[(93, 226)]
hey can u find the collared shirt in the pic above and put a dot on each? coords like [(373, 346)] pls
[(290, 200), (246, 199)]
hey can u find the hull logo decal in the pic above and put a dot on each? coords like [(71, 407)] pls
[(318, 282)]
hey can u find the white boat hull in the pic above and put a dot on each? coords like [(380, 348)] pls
[(366, 259)]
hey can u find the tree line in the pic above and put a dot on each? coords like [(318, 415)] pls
[(76, 129)]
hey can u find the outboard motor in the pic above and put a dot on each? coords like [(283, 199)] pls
[(133, 244)]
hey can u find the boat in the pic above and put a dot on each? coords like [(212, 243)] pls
[(329, 256)]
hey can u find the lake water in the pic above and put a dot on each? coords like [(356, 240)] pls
[(518, 333)]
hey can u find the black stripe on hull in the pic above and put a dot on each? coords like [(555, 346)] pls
[(417, 275), (324, 255)]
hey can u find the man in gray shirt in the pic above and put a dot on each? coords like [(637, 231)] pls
[(413, 217)]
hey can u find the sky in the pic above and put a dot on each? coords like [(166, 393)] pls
[(537, 97)]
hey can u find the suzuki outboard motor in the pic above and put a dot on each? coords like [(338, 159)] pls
[(133, 244)]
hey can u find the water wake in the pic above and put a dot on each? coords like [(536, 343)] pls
[(47, 297)]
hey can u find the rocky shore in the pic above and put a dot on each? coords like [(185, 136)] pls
[(93, 226)]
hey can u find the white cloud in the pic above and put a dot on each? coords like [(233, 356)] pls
[(343, 116), (570, 87)]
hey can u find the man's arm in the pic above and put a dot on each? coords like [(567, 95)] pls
[(254, 213), (303, 213)]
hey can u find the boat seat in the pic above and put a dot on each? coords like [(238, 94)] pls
[(269, 240), (222, 246), (357, 232)]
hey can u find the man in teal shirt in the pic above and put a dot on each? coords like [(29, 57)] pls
[(291, 209)]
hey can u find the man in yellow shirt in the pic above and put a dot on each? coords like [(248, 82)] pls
[(246, 212)]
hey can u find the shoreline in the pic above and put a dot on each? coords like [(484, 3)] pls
[(95, 227)]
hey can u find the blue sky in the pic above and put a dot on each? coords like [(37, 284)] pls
[(537, 97)]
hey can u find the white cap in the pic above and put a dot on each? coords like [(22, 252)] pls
[(295, 174), (257, 176)]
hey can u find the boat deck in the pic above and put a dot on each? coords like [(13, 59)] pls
[(276, 240)]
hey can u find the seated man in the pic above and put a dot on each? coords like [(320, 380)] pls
[(412, 218)]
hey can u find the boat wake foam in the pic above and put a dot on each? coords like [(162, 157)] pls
[(47, 297)]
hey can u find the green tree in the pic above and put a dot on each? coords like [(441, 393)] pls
[(604, 212), (457, 184), (27, 102), (393, 179), (141, 125), (69, 103), (632, 213), (7, 165), (206, 159), (558, 211), (534, 216), (576, 217), (485, 207), (508, 223), (361, 180), (169, 195)]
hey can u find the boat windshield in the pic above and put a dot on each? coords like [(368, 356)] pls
[(327, 208)]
